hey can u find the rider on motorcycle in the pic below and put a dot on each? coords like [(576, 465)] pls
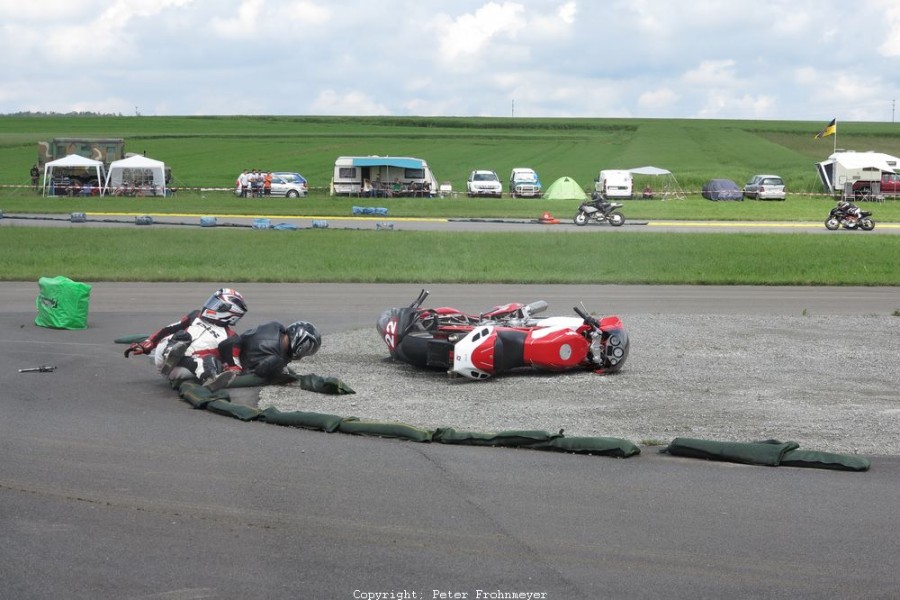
[(599, 200), (848, 209)]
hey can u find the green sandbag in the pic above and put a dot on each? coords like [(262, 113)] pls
[(311, 382), (766, 453), (135, 338), (324, 385), (449, 435), (825, 460), (222, 406), (196, 395), (600, 446), (62, 303), (306, 420), (386, 430)]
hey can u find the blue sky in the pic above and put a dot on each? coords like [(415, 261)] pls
[(736, 59)]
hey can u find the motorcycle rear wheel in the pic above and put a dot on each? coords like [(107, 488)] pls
[(867, 224), (580, 219), (616, 219), (832, 224)]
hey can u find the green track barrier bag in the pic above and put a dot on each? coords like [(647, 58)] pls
[(598, 446), (62, 303), (509, 439), (306, 420)]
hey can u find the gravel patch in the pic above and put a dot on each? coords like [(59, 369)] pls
[(828, 383)]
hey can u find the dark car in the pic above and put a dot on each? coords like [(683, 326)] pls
[(721, 189)]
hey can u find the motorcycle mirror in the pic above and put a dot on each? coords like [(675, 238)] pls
[(535, 307)]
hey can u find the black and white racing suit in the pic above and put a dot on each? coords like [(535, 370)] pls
[(212, 347)]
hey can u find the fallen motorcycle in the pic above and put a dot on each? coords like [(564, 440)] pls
[(600, 210), (842, 216), (501, 339)]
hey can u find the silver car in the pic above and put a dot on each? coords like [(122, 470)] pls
[(765, 187)]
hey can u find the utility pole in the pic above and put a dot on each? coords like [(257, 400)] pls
[(513, 107)]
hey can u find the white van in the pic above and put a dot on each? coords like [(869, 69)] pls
[(615, 183)]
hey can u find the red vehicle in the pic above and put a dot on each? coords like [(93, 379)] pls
[(502, 339), (889, 185)]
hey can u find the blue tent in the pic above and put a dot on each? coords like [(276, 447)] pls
[(722, 189)]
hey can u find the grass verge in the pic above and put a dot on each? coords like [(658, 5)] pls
[(311, 255)]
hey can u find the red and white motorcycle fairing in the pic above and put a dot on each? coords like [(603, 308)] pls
[(501, 339), (549, 344)]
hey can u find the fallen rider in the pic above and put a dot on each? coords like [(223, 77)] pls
[(267, 349), (201, 344)]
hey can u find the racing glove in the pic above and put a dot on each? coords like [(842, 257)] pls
[(144, 347)]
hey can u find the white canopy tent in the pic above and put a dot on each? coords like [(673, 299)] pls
[(138, 174), (670, 187), (69, 163)]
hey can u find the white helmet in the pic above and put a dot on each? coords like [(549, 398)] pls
[(225, 307)]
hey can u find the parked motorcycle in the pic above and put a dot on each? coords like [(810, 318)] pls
[(844, 216), (600, 210), (504, 338)]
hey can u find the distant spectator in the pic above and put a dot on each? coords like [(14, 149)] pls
[(647, 192), (267, 183), (35, 177)]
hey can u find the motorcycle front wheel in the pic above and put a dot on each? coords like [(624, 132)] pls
[(580, 219), (832, 224), (616, 219), (867, 224)]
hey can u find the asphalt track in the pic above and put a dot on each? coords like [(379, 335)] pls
[(564, 223), (112, 487)]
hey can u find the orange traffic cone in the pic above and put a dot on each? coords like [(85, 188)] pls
[(547, 219)]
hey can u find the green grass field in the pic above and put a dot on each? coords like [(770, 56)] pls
[(208, 152), (211, 151), (324, 255)]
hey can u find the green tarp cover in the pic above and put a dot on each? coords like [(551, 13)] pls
[(62, 303), (767, 453)]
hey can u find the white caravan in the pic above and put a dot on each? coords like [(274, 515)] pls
[(382, 176)]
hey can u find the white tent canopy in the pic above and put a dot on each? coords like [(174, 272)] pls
[(137, 172), (71, 161), (670, 188)]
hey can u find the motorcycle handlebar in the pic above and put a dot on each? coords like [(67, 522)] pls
[(418, 301), (587, 318)]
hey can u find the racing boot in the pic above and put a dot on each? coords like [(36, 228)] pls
[(174, 354), (220, 380)]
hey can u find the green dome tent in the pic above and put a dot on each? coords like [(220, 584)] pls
[(565, 188)]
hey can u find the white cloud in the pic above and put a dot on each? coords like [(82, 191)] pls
[(467, 35), (243, 23), (658, 99), (568, 12), (790, 59), (331, 102)]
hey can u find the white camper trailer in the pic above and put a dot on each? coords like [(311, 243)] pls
[(845, 172), (382, 176)]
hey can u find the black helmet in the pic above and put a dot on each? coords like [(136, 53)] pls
[(305, 339), (225, 307)]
